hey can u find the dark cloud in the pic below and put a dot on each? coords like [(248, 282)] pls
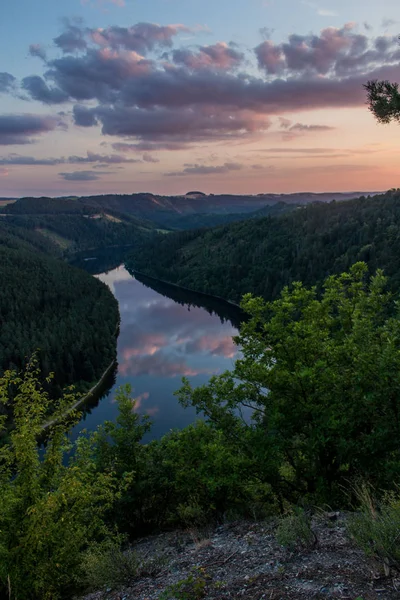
[(155, 104), (7, 82), (270, 57), (82, 175), (150, 159), (72, 39), (336, 51), (206, 169), (293, 130), (302, 128), (18, 129), (16, 159), (127, 82), (148, 146), (185, 124), (218, 56), (85, 117), (142, 37), (38, 89), (91, 157), (38, 51)]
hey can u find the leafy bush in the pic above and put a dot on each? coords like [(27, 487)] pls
[(193, 477), (49, 513), (322, 377)]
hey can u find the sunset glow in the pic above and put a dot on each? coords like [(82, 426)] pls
[(247, 97)]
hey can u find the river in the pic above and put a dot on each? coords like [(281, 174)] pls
[(165, 334)]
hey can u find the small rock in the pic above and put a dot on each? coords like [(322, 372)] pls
[(333, 516)]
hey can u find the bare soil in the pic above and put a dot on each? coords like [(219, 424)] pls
[(244, 560)]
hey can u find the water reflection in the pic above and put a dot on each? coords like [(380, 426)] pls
[(160, 341)]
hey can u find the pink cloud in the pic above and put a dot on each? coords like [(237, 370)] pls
[(224, 346), (216, 56), (159, 365), (145, 344)]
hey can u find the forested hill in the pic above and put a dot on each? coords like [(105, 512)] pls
[(263, 255), (72, 226), (65, 314), (189, 211)]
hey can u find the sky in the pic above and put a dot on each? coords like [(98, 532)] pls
[(221, 96)]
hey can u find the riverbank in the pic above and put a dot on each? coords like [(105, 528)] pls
[(94, 390), (186, 289)]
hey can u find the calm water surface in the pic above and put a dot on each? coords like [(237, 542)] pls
[(165, 334)]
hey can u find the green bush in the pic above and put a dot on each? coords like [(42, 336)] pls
[(112, 567), (294, 530), (193, 587), (321, 373), (193, 477), (49, 513), (376, 527)]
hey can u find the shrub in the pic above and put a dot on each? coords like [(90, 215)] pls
[(295, 530), (193, 587), (49, 512), (110, 566), (376, 527)]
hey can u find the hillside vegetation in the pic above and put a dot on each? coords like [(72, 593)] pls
[(63, 313), (190, 211), (322, 376), (263, 255), (73, 226)]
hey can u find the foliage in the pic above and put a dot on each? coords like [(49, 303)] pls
[(77, 232), (118, 448), (108, 565), (295, 530), (192, 477), (188, 478), (67, 315), (193, 587), (263, 255), (322, 377), (383, 100), (376, 527), (49, 513)]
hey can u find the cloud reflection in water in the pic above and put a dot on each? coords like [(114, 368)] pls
[(160, 341)]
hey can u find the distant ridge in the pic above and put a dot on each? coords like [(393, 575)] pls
[(193, 210)]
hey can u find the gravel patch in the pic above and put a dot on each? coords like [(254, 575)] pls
[(244, 560)]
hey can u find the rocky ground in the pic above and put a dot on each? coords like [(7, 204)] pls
[(244, 560)]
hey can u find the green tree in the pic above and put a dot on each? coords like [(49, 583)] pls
[(118, 448), (383, 100), (49, 513), (321, 376)]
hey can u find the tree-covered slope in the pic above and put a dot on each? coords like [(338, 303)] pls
[(72, 226), (263, 255), (65, 314)]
